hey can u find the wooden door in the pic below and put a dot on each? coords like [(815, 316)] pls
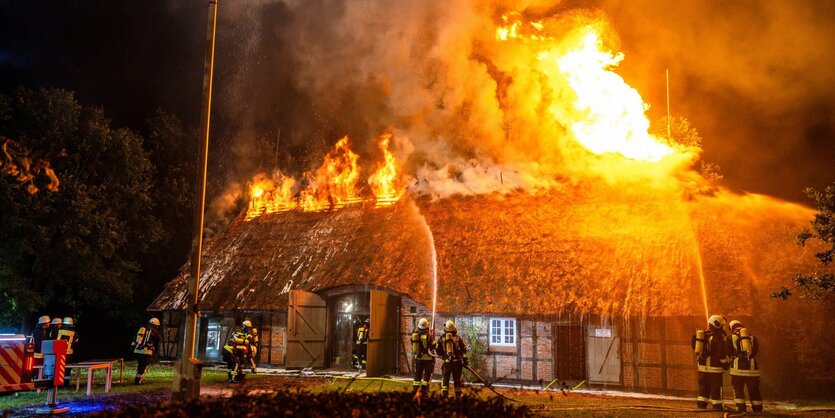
[(306, 330), (383, 337), (570, 352), (604, 354)]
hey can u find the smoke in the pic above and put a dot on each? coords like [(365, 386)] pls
[(753, 76), (297, 75)]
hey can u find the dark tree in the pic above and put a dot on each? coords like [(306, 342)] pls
[(74, 251), (818, 284)]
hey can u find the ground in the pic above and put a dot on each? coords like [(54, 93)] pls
[(578, 404)]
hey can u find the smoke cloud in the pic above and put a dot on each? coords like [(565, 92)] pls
[(297, 75)]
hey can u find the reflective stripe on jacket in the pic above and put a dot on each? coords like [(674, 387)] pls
[(421, 342), (743, 364), (714, 358)]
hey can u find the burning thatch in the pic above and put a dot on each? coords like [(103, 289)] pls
[(578, 249)]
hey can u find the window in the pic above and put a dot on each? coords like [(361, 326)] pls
[(503, 331)]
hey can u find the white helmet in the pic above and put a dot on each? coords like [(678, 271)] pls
[(68, 321), (716, 321), (57, 321), (735, 324), (449, 326), (154, 321), (43, 320), (423, 323), (247, 323)]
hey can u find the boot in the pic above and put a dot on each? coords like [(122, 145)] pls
[(137, 380), (229, 377)]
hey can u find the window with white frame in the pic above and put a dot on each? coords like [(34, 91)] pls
[(503, 331)]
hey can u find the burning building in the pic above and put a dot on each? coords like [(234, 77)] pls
[(572, 241), (551, 296)]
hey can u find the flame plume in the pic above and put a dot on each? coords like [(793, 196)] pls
[(384, 182), (334, 184)]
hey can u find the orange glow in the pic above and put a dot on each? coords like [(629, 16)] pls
[(334, 184), (599, 109), (384, 182)]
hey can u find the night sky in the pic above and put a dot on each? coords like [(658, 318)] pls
[(755, 78)]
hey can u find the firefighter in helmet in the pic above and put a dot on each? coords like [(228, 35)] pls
[(361, 344), (41, 332), (452, 349), (68, 333), (423, 341), (742, 348), (145, 347), (236, 352), (54, 327), (709, 346), (254, 342)]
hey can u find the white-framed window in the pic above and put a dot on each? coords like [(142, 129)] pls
[(503, 331)]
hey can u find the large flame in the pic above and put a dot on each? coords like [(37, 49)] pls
[(384, 182), (607, 115), (333, 185)]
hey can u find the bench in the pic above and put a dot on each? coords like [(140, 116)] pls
[(92, 366)]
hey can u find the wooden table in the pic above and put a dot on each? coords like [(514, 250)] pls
[(94, 365)]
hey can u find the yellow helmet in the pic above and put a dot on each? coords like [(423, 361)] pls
[(154, 321), (247, 323), (423, 323), (716, 321), (449, 326)]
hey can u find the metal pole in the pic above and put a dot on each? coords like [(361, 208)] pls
[(186, 386), (669, 131)]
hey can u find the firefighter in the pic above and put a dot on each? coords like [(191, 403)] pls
[(454, 352), (361, 344), (254, 342), (709, 346), (54, 327), (236, 351), (745, 369), (68, 333), (41, 332), (355, 352), (146, 347), (423, 341)]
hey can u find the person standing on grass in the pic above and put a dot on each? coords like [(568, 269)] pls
[(145, 347)]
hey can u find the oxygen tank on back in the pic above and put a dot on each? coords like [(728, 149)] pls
[(700, 342), (140, 338), (745, 339)]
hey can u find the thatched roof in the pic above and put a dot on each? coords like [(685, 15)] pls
[(521, 254)]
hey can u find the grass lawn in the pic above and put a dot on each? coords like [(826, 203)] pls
[(158, 377), (158, 384)]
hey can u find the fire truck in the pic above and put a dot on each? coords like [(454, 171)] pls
[(17, 368)]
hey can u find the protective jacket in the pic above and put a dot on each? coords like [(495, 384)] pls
[(422, 341), (147, 341), (713, 358), (362, 334), (453, 348), (742, 363), (68, 334)]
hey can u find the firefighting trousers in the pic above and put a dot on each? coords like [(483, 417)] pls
[(710, 390), (452, 369), (753, 382), (423, 375), (142, 362), (360, 351)]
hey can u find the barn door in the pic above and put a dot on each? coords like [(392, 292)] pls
[(604, 354), (383, 338), (306, 330)]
